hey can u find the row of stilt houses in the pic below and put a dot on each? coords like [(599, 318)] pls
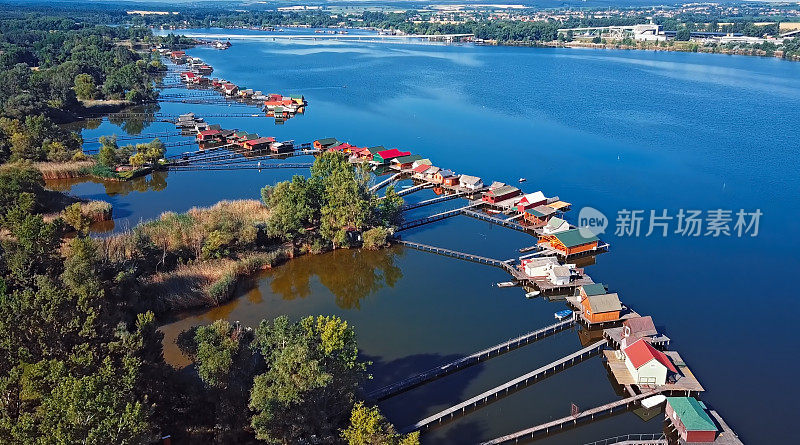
[(197, 75), (637, 356)]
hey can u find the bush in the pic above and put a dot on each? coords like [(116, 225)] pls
[(376, 238), (73, 215)]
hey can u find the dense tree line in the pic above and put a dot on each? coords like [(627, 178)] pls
[(47, 63)]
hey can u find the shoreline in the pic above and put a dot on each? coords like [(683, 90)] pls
[(682, 46)]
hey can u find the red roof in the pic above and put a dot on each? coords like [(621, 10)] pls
[(188, 74), (642, 352), (343, 146), (392, 153), (209, 132), (421, 168)]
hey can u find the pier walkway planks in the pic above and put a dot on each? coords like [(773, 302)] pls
[(464, 362), (505, 388), (385, 182), (563, 422)]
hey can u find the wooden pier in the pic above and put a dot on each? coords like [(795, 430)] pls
[(565, 422), (465, 362), (634, 439), (239, 166), (385, 182), (498, 221), (508, 387), (413, 189), (437, 200), (454, 254)]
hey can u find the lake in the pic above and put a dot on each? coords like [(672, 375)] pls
[(614, 130)]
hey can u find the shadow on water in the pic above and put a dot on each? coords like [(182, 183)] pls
[(388, 372), (349, 274)]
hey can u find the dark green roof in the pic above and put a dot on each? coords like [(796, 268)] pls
[(325, 142), (594, 289), (692, 413), (407, 159), (376, 149), (574, 237)]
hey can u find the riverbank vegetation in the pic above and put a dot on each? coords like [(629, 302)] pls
[(78, 326)]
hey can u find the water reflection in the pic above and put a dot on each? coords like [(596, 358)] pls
[(350, 275), (156, 181)]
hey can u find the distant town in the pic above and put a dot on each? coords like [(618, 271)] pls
[(760, 29)]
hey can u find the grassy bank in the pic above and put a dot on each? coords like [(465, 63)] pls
[(210, 282), (65, 170)]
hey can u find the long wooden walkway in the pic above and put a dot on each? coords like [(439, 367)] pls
[(498, 221), (465, 362), (633, 439), (385, 182), (413, 189), (584, 416), (510, 386), (436, 200), (239, 166), (429, 219), (453, 253)]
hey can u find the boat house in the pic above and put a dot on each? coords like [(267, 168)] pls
[(538, 215), (405, 162), (600, 308), (384, 156), (571, 242), (209, 135), (471, 182), (261, 143), (555, 225), (531, 200), (690, 419), (635, 328), (647, 365), (501, 193), (325, 143)]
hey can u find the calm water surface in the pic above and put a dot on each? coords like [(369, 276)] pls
[(608, 129)]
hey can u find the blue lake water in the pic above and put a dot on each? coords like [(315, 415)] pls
[(614, 130)]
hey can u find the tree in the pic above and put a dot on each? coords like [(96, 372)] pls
[(368, 427), (107, 155), (309, 386), (217, 345), (293, 206), (85, 87), (683, 35), (389, 210)]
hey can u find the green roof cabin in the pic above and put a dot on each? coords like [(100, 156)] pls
[(691, 420)]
